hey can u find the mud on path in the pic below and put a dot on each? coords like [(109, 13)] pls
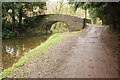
[(87, 54)]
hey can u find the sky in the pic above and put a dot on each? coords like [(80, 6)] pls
[(55, 0), (52, 0)]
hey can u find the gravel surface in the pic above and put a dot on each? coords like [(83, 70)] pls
[(87, 54)]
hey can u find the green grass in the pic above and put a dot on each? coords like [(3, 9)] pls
[(55, 38), (74, 32), (7, 71)]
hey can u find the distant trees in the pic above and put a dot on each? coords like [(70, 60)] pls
[(14, 13), (59, 7), (109, 13)]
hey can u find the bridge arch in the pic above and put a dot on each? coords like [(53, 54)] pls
[(49, 24), (74, 23)]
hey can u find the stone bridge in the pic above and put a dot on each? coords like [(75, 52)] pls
[(74, 23)]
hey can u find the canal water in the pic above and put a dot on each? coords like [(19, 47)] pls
[(13, 49)]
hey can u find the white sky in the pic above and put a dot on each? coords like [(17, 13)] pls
[(55, 0)]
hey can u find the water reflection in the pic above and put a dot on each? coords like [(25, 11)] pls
[(9, 50), (13, 49)]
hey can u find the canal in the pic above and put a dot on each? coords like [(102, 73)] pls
[(13, 49)]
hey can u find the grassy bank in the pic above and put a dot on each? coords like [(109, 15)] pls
[(43, 48)]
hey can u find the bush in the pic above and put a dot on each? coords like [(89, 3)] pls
[(8, 34), (30, 22)]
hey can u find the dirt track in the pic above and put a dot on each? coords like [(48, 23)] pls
[(86, 54)]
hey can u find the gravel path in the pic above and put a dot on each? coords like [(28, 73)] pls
[(87, 54)]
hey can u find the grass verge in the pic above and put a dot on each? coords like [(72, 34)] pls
[(55, 38)]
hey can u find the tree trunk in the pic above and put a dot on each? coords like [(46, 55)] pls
[(13, 18), (85, 13), (20, 20), (85, 18)]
